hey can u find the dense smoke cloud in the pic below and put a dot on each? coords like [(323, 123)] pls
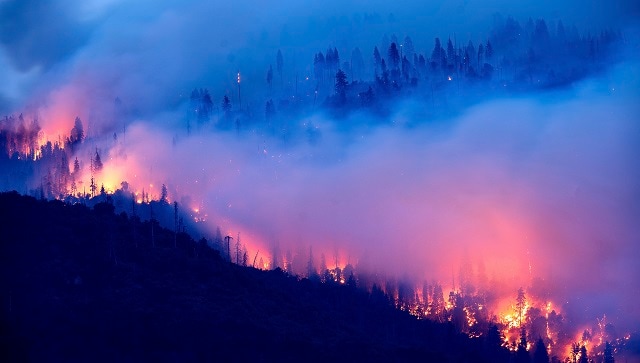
[(540, 186)]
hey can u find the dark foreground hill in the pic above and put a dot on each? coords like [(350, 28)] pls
[(80, 285)]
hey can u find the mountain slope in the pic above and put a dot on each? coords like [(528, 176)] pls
[(86, 285)]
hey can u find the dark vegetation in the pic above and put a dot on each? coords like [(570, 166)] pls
[(87, 284), (80, 284)]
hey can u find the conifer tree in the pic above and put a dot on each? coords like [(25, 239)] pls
[(97, 162), (540, 355), (270, 77), (341, 87), (377, 59)]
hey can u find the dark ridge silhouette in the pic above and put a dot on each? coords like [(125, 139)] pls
[(80, 284)]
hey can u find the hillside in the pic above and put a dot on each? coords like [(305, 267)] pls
[(80, 284)]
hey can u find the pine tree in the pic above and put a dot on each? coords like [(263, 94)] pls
[(522, 355), (584, 357), (311, 270), (238, 247), (77, 132), (436, 54), (270, 77), (163, 194), (480, 55), (226, 106), (394, 56), (97, 162), (437, 303), (93, 187), (451, 54), (540, 355), (488, 51), (74, 188), (377, 59), (319, 67), (521, 302), (341, 87), (206, 106), (493, 344)]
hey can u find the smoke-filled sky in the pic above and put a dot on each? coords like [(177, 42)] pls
[(154, 52), (542, 185)]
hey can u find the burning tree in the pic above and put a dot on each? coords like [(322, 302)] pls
[(521, 305)]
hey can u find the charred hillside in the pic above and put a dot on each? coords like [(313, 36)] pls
[(80, 284)]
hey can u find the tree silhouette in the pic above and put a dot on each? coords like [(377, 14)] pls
[(97, 162), (438, 56), (206, 106), (488, 51), (341, 87), (311, 270), (163, 194), (521, 302), (394, 56), (584, 358), (522, 355), (451, 54), (92, 187), (437, 303), (319, 67), (377, 60), (77, 133), (226, 106), (540, 354), (270, 77)]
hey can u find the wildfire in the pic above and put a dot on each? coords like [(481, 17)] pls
[(471, 319), (517, 317)]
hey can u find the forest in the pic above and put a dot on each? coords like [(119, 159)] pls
[(101, 264), (516, 59), (81, 283)]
